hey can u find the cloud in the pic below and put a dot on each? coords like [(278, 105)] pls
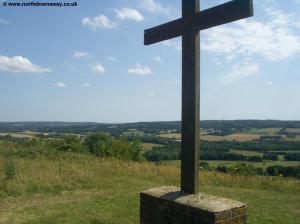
[(140, 70), (273, 40), (80, 54), (269, 83), (20, 64), (112, 59), (4, 22), (98, 22), (174, 43), (151, 94), (217, 61), (60, 85), (240, 71), (153, 6), (97, 68), (158, 59), (86, 85), (129, 14)]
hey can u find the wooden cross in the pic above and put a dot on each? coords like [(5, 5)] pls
[(188, 27)]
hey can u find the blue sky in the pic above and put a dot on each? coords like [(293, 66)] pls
[(88, 63)]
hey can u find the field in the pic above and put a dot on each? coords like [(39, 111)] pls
[(17, 135), (249, 135), (237, 137), (74, 188), (246, 152), (149, 146), (205, 137)]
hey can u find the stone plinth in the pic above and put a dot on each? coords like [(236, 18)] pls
[(169, 205)]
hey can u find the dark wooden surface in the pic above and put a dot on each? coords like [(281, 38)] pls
[(190, 102), (219, 15)]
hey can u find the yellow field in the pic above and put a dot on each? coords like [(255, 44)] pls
[(176, 136), (295, 130), (238, 137), (17, 135)]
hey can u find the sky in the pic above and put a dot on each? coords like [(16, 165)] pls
[(88, 63)]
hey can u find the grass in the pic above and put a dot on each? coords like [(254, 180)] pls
[(241, 137), (249, 135), (84, 189), (264, 164), (149, 146), (215, 163), (203, 136), (264, 131), (246, 152), (176, 136), (295, 130), (17, 135)]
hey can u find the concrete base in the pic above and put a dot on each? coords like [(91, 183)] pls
[(169, 205)]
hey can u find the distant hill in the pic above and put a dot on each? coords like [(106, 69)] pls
[(147, 127)]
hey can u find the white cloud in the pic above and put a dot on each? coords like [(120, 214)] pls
[(269, 83), (80, 54), (4, 21), (112, 59), (86, 85), (98, 22), (151, 94), (140, 70), (240, 71), (60, 85), (158, 59), (97, 68), (174, 43), (20, 64), (129, 14), (273, 40), (153, 6), (217, 61)]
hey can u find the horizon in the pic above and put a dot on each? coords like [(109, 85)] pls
[(96, 122), (89, 63)]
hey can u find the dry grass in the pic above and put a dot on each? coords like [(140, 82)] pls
[(176, 136), (17, 135), (238, 137), (203, 136), (294, 130), (84, 189)]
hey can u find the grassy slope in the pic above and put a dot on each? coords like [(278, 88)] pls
[(84, 189)]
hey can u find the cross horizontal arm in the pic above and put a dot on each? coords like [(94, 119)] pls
[(218, 15)]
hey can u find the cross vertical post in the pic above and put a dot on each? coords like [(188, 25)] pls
[(190, 101), (188, 27)]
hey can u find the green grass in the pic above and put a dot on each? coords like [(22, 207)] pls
[(264, 164), (246, 153), (149, 146), (263, 131), (84, 189), (133, 132), (215, 163)]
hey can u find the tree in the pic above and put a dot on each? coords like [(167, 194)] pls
[(98, 144)]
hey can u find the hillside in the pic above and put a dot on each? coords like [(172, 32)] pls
[(76, 188), (147, 127)]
